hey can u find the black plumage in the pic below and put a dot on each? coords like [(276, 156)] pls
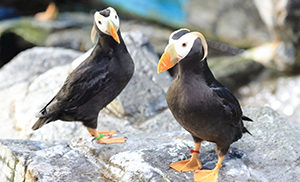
[(200, 104), (93, 84)]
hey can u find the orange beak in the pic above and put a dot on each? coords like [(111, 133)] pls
[(112, 31), (114, 34), (168, 59)]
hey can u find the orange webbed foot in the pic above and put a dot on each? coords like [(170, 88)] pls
[(104, 137), (207, 175), (111, 140), (191, 164)]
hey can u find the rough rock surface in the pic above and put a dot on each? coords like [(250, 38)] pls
[(271, 154), (17, 86), (282, 21), (140, 113), (280, 93), (29, 64), (241, 71), (233, 22), (219, 17), (35, 88)]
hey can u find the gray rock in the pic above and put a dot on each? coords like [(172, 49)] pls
[(282, 22), (41, 161), (271, 154), (19, 89), (236, 23), (162, 122), (144, 95), (36, 32), (35, 86), (77, 39), (232, 71), (239, 71), (157, 34), (280, 93), (33, 62), (22, 33)]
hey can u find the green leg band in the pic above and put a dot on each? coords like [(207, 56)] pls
[(101, 135)]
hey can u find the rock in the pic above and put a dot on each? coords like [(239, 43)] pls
[(281, 93), (21, 160), (236, 23), (154, 138), (29, 64), (18, 86), (11, 44), (22, 33), (157, 34), (77, 39), (270, 154), (36, 86), (232, 71), (241, 72), (282, 22), (146, 86), (162, 122)]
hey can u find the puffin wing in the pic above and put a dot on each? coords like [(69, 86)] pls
[(81, 85), (232, 110)]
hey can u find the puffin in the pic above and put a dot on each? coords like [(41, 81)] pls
[(98, 80), (200, 103)]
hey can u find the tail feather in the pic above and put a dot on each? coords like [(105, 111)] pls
[(244, 130), (246, 118), (44, 119), (40, 122)]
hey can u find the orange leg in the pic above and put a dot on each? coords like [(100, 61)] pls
[(191, 164), (104, 137), (209, 175)]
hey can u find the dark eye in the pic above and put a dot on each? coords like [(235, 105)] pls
[(184, 45), (99, 22), (116, 17)]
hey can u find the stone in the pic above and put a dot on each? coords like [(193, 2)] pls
[(146, 86), (22, 33), (28, 64), (236, 23), (19, 89), (162, 122), (76, 39), (232, 71), (271, 153), (154, 138), (281, 19), (38, 84), (281, 93), (159, 39), (11, 44), (242, 71)]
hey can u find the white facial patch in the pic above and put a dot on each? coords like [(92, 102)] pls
[(184, 45), (102, 21)]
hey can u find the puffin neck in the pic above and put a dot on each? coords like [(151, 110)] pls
[(195, 67), (107, 40)]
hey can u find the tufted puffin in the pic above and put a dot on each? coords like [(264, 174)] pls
[(199, 103), (95, 82)]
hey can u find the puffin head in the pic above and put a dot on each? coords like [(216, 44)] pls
[(107, 22), (182, 44)]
